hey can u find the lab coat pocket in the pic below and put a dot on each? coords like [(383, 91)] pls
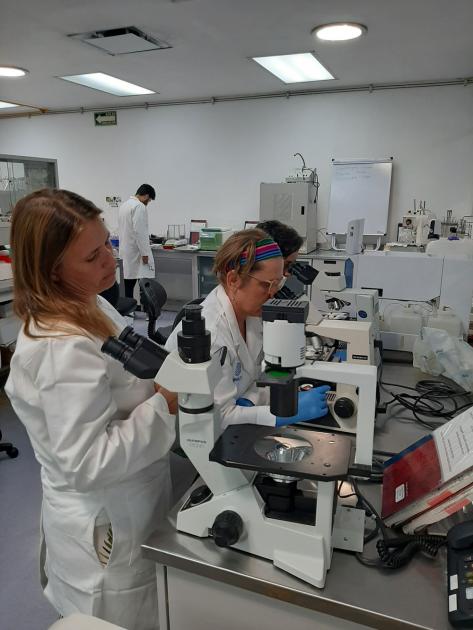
[(103, 543)]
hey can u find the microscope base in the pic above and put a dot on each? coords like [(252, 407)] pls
[(304, 551)]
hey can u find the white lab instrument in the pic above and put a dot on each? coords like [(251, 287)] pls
[(462, 247), (294, 204), (354, 244), (230, 507), (426, 283), (356, 304), (360, 342), (330, 274), (419, 226)]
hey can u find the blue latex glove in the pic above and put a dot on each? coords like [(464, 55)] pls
[(244, 402), (311, 404)]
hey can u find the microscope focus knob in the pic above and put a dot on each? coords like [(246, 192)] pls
[(227, 528), (344, 407)]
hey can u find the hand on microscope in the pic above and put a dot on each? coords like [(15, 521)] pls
[(312, 404), (169, 397)]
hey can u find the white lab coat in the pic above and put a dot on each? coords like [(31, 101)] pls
[(133, 234), (243, 363), (102, 437)]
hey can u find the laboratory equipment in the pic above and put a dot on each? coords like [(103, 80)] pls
[(426, 283), (196, 226), (175, 236), (459, 247), (448, 222), (354, 243), (419, 226), (172, 243), (246, 499), (330, 274), (293, 203), (211, 238), (460, 582)]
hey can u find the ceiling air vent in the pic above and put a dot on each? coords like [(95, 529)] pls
[(121, 41)]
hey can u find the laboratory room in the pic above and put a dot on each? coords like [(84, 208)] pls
[(236, 338)]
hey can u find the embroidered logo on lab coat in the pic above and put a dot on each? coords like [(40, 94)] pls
[(237, 372)]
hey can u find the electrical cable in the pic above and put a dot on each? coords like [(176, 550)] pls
[(394, 550), (433, 398)]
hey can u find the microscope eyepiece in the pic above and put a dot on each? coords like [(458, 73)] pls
[(117, 349)]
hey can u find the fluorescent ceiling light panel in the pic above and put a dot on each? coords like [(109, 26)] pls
[(107, 83), (4, 105), (339, 32), (11, 72), (295, 68)]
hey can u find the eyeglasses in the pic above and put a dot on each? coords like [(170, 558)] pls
[(269, 284)]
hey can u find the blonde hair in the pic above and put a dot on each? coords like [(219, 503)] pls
[(44, 224), (229, 255)]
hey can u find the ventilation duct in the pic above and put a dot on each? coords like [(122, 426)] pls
[(121, 41)]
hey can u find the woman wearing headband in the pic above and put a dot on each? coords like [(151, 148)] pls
[(250, 270)]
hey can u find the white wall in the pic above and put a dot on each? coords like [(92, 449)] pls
[(208, 160)]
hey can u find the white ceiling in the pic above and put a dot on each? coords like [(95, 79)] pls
[(407, 40)]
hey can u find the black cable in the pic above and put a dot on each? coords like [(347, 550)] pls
[(433, 398), (395, 551)]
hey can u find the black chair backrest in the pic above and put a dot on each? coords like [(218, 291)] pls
[(153, 297), (180, 315)]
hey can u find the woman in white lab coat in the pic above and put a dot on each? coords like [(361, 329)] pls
[(101, 435), (250, 270)]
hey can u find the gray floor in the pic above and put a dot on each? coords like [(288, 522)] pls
[(22, 603)]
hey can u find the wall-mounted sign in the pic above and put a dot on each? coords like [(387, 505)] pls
[(105, 119), (113, 202)]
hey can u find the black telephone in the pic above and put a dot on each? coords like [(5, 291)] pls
[(460, 574)]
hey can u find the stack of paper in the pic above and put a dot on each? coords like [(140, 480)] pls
[(432, 478)]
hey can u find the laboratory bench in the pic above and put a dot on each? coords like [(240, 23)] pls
[(186, 273), (206, 588)]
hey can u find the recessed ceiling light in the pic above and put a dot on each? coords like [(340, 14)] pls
[(107, 83), (339, 31), (4, 104), (12, 72), (295, 68)]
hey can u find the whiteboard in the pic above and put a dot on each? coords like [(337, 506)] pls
[(360, 190)]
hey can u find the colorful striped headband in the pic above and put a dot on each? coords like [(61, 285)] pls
[(264, 250)]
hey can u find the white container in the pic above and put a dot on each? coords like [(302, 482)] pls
[(446, 320), (405, 320)]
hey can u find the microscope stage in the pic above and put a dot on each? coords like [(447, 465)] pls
[(284, 451)]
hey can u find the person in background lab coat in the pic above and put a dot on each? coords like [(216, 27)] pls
[(101, 436), (250, 269), (133, 235)]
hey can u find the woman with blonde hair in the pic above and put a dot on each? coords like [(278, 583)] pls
[(101, 435), (250, 270)]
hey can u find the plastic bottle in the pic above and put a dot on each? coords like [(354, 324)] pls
[(446, 320)]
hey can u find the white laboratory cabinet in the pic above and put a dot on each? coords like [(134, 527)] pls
[(292, 204)]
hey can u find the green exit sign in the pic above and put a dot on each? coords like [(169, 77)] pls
[(105, 119)]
